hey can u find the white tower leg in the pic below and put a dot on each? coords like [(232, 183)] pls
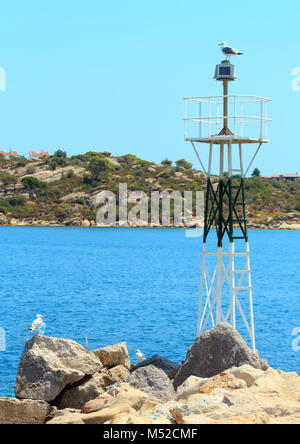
[(211, 307)]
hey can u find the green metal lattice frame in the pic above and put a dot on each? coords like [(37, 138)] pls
[(222, 210)]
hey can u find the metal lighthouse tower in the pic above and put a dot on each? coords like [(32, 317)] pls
[(227, 125)]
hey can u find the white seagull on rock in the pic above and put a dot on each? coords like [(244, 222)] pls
[(37, 324), (228, 51), (140, 357)]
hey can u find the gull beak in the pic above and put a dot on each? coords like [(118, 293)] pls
[(220, 44)]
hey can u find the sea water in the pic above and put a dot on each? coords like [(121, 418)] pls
[(135, 285)]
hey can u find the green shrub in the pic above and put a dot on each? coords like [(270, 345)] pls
[(22, 210), (78, 201), (32, 185), (70, 174), (131, 159), (62, 210), (182, 163), (100, 167), (17, 200), (30, 169), (21, 162), (7, 178), (256, 172), (60, 154)]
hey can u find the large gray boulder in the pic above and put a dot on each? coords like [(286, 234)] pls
[(153, 381), (48, 365), (14, 411), (215, 351), (169, 367)]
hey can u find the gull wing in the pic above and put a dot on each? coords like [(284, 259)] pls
[(36, 325), (231, 51)]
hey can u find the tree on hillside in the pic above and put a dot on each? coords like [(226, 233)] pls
[(256, 172), (21, 162), (7, 179), (167, 162), (182, 163), (131, 159), (60, 153), (32, 185), (59, 158), (100, 167)]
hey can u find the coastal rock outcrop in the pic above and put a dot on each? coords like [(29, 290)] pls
[(249, 392), (48, 365), (169, 367), (271, 396), (78, 394), (214, 352), (14, 411), (116, 403), (89, 388), (152, 380), (114, 355)]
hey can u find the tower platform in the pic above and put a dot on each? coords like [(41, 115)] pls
[(219, 140), (246, 119)]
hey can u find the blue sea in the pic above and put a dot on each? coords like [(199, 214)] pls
[(135, 285)]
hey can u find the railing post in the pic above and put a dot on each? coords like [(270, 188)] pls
[(261, 118), (200, 120), (266, 121), (209, 113), (185, 119)]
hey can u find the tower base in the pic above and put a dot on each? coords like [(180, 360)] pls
[(226, 281)]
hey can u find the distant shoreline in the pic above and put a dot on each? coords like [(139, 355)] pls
[(295, 227)]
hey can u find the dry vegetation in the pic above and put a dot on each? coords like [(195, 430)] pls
[(62, 190)]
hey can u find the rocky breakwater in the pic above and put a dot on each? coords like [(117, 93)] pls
[(221, 382)]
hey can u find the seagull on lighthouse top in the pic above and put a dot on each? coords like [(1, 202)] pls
[(228, 51)]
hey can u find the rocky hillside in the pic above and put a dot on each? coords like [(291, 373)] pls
[(221, 381), (62, 190)]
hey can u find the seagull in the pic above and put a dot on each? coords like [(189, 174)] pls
[(37, 324), (140, 357), (228, 51)]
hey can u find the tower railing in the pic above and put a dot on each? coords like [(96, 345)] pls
[(203, 119)]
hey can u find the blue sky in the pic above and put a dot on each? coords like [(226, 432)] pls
[(111, 75)]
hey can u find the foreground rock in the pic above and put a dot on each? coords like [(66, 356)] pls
[(244, 391), (114, 355), (169, 367), (81, 392), (152, 380), (217, 350), (242, 395), (14, 411), (119, 401), (91, 387), (48, 365)]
